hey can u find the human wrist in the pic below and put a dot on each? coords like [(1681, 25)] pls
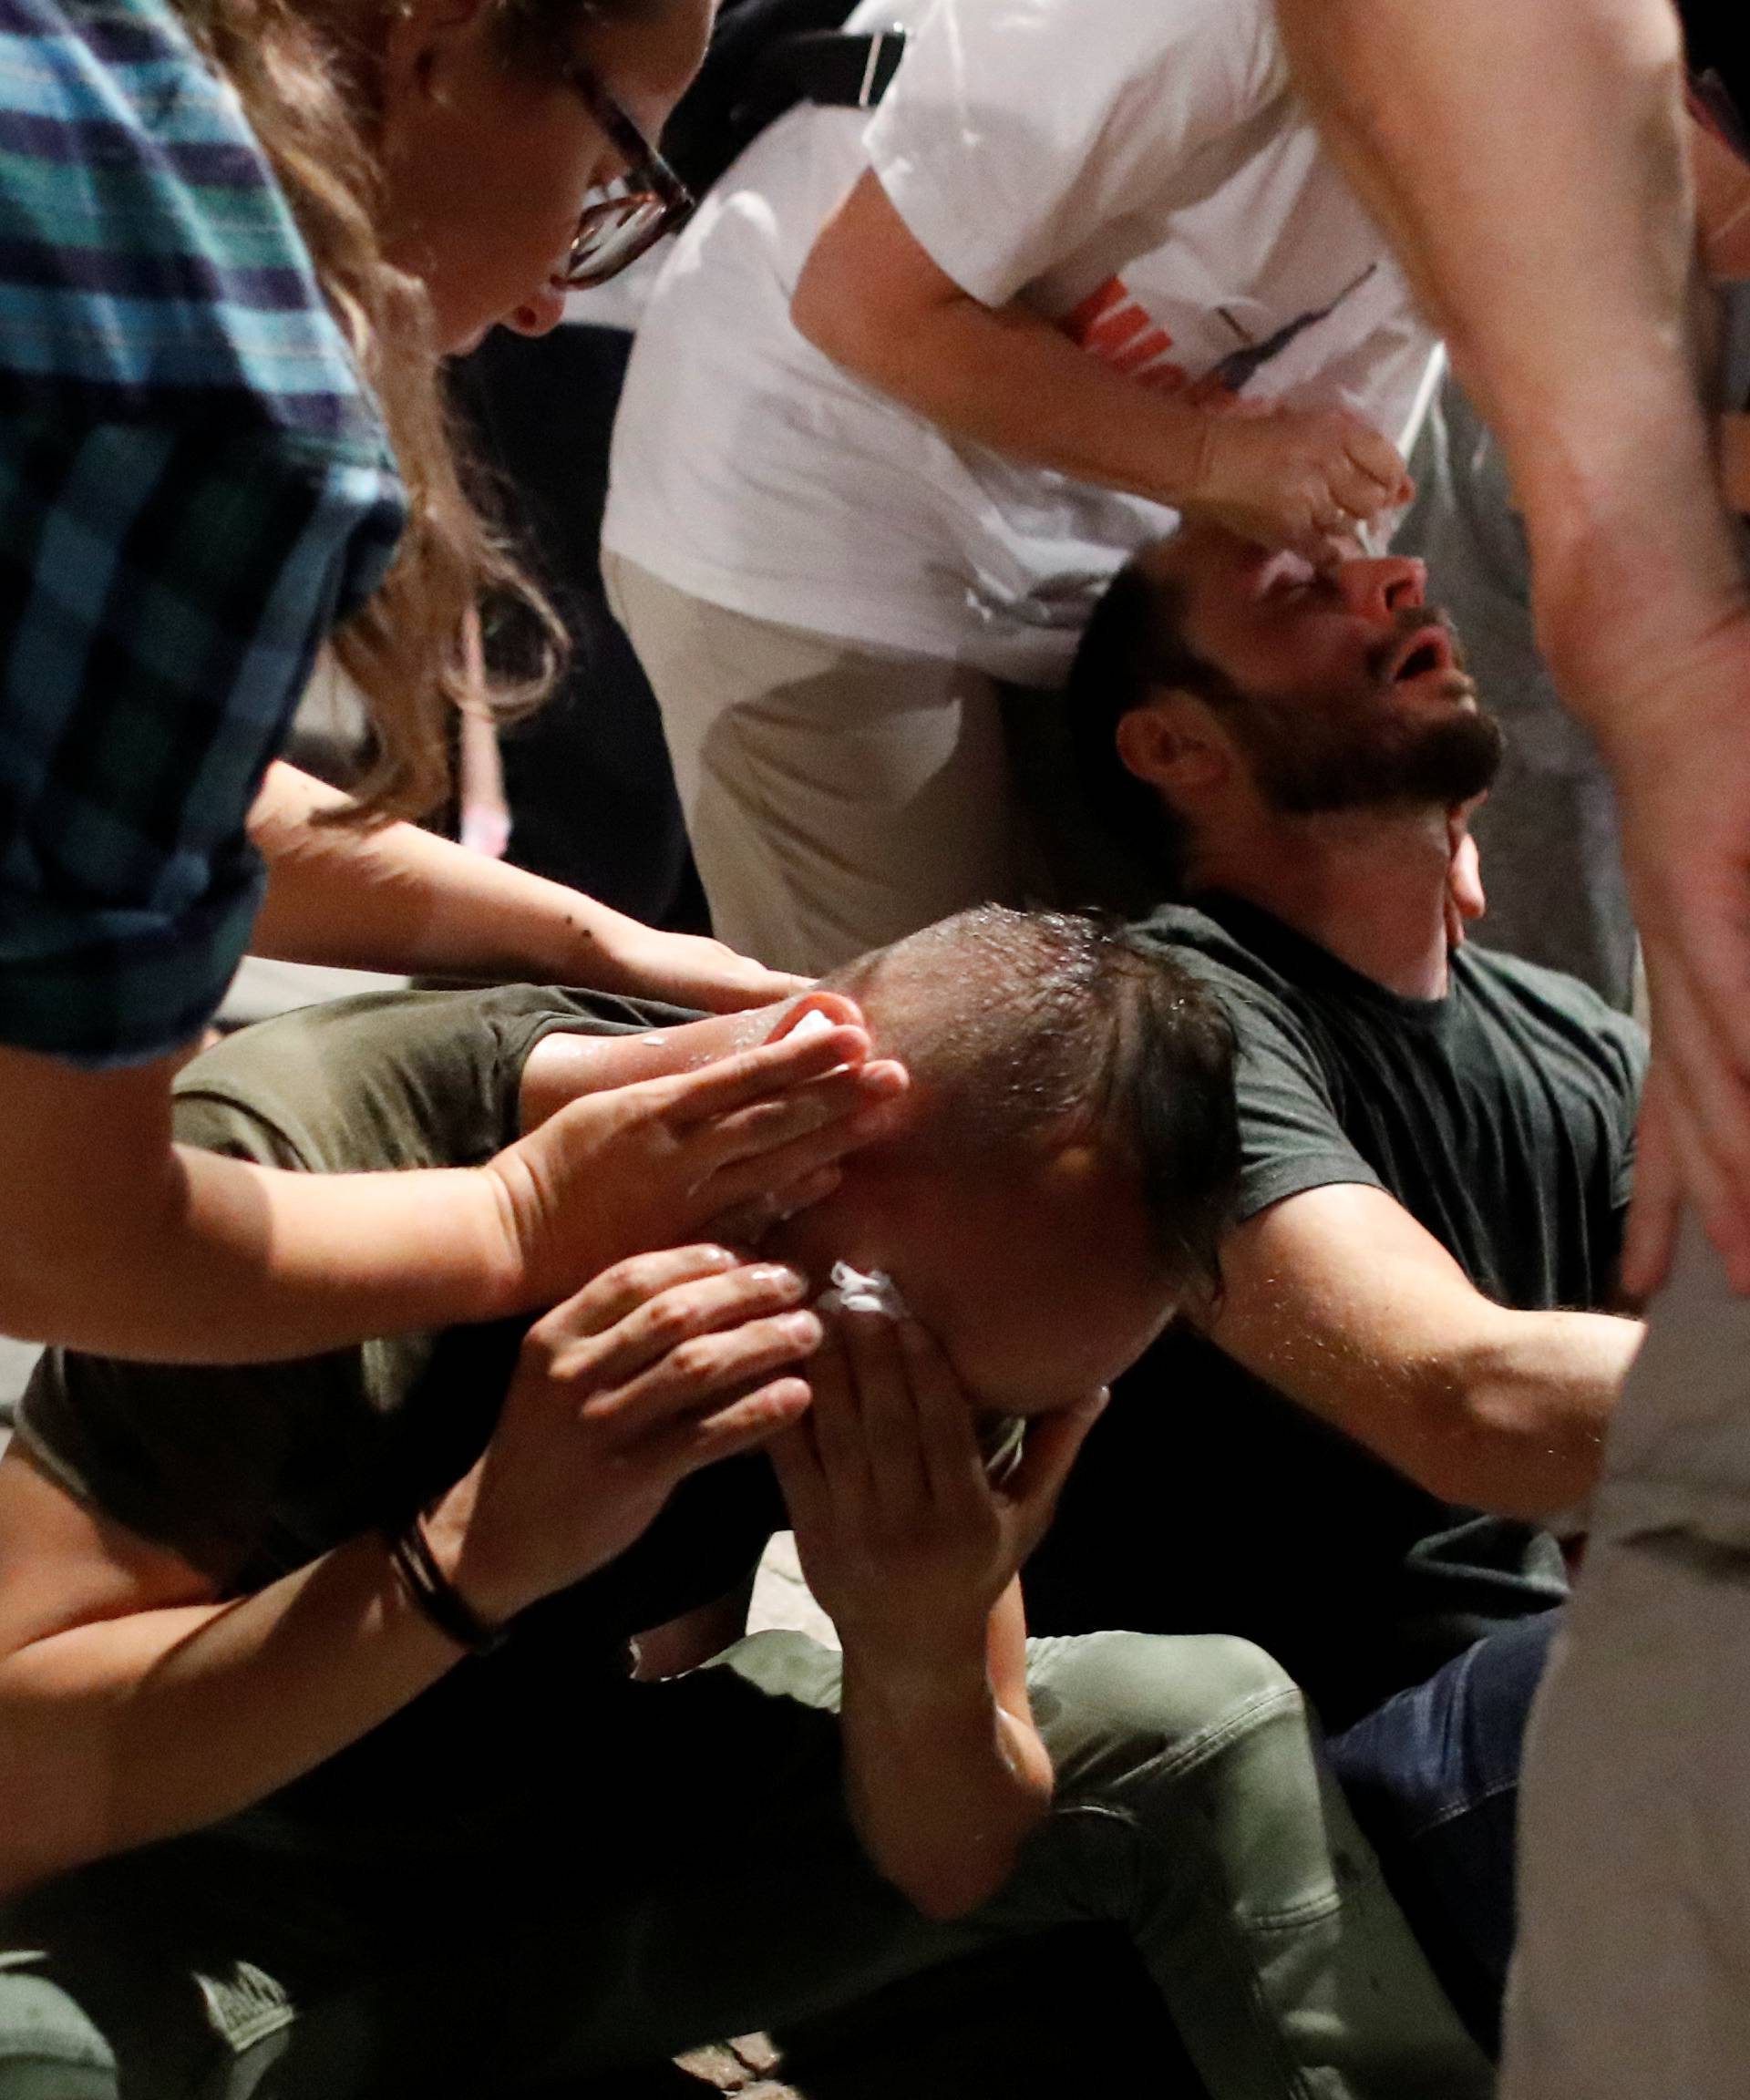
[(917, 1669), (467, 1558), (1185, 456)]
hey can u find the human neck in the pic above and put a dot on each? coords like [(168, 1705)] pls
[(1369, 886)]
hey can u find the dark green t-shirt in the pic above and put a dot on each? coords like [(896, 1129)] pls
[(248, 1473), (1502, 1119)]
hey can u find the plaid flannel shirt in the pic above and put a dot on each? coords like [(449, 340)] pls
[(194, 488)]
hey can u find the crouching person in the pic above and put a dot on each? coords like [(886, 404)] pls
[(377, 1724)]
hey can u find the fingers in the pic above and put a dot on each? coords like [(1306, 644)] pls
[(954, 1467), (620, 1290), (886, 1412), (800, 1478), (1380, 462), (702, 1305), (719, 1089), (696, 1374), (768, 1415), (1053, 1443), (782, 1180), (767, 1127), (836, 1428)]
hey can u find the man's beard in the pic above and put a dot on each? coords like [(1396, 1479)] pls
[(1363, 752)]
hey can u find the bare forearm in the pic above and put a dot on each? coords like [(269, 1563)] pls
[(1528, 164), (1010, 380), (1534, 1393), (396, 898), (943, 1784), (119, 1733), (203, 1259)]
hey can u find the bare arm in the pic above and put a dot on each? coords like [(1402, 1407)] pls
[(914, 1557), (134, 1705), (1528, 164), (872, 299), (1343, 1302), (114, 1239), (397, 897)]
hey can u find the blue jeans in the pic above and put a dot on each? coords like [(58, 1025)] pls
[(1433, 1776)]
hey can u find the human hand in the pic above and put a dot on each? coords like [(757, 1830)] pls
[(1304, 480), (1680, 754), (742, 1141), (904, 1539), (665, 1364), (685, 969)]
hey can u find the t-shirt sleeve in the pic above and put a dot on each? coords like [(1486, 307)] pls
[(250, 1471), (1290, 1136), (163, 589), (1010, 133)]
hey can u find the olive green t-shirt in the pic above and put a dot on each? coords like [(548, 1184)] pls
[(250, 1472)]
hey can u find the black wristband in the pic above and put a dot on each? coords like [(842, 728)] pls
[(435, 1596)]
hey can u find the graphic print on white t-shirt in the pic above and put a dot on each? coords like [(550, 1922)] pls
[(1140, 175)]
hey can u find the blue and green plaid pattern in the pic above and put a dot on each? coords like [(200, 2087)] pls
[(194, 488)]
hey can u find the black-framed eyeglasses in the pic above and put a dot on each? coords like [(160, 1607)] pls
[(623, 219)]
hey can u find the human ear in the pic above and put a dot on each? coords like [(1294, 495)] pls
[(419, 46), (1173, 743), (834, 1011)]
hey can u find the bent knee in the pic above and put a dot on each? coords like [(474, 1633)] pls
[(1152, 1694)]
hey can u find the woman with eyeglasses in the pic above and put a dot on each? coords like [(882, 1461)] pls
[(236, 238)]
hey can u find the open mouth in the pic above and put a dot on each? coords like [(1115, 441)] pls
[(1425, 649)]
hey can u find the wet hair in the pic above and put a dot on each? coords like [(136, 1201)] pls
[(304, 71), (1133, 647), (1057, 1028)]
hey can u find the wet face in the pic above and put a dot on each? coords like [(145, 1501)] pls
[(487, 160), (1036, 1277), (1347, 687)]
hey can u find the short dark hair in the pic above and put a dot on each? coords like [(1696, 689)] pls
[(1060, 1026), (1133, 647)]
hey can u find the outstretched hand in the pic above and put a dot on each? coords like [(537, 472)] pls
[(739, 1142), (904, 1539)]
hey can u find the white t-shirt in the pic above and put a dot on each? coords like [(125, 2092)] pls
[(1137, 171)]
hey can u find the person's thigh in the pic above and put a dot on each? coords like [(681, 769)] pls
[(1195, 1809), (837, 797), (1632, 1971), (1433, 1776), (702, 1877)]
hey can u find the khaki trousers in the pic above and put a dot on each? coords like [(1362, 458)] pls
[(837, 797), (1632, 1979)]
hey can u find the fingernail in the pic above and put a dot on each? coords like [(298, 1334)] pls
[(802, 1327), (779, 1276)]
